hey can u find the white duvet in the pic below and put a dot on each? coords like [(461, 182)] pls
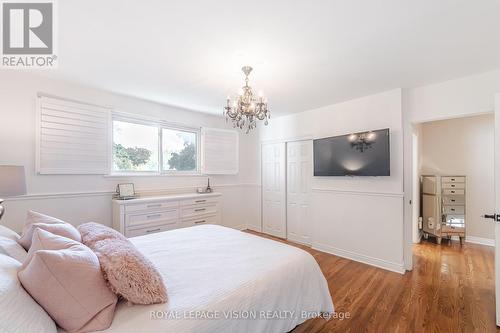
[(223, 280)]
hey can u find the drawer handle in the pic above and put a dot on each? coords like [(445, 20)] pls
[(152, 206), (452, 191), (202, 221), (153, 215), (452, 185), (200, 209), (199, 201), (153, 230), (453, 209), (452, 200), (453, 179)]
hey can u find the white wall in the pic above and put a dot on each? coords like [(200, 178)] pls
[(451, 99), (355, 217), (465, 146), (80, 198)]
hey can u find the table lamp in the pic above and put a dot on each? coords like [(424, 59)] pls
[(12, 183)]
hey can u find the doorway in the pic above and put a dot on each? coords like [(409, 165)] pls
[(453, 180)]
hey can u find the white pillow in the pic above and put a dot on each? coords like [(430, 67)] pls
[(12, 248), (18, 311), (9, 233)]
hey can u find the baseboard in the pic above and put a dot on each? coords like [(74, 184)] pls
[(254, 228), (480, 240), (240, 227), (420, 235), (380, 263)]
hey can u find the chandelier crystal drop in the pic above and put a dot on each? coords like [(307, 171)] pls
[(246, 109)]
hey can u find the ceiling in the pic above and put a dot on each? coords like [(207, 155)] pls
[(305, 54)]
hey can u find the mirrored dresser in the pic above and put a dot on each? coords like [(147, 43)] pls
[(444, 206)]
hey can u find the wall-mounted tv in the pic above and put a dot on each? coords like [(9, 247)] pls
[(356, 154)]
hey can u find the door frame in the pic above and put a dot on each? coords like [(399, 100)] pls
[(496, 116), (285, 141), (408, 147)]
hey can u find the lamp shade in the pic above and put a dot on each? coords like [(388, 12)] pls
[(12, 180)]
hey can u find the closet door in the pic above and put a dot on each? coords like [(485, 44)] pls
[(299, 176), (274, 189)]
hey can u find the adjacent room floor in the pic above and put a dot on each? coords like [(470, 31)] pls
[(451, 289)]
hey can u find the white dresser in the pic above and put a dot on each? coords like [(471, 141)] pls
[(146, 215)]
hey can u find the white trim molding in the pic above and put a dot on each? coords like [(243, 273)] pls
[(380, 263), (144, 192), (382, 194), (480, 240)]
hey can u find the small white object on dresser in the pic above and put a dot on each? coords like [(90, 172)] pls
[(146, 215)]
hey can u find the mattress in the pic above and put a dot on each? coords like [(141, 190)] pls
[(224, 280)]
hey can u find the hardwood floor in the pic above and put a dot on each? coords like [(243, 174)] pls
[(451, 289)]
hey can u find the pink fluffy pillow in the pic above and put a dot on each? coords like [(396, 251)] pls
[(129, 274), (65, 278), (36, 220)]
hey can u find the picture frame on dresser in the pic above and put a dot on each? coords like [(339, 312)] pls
[(125, 191)]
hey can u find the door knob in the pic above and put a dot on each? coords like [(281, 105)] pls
[(495, 217)]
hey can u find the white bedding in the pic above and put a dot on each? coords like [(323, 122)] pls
[(213, 271)]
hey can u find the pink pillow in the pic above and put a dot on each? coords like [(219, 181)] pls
[(36, 220), (93, 232), (65, 278), (128, 272)]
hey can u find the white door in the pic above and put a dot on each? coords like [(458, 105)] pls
[(274, 189), (497, 206), (299, 175)]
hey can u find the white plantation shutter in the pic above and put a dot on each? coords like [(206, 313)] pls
[(72, 137), (219, 151)]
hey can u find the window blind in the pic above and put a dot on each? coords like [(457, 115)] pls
[(72, 137), (219, 151)]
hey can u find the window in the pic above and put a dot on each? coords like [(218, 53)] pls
[(135, 147), (153, 148), (179, 150)]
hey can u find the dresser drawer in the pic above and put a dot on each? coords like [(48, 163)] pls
[(149, 230), (453, 185), (199, 201), (138, 220), (197, 210), (453, 192), (151, 206), (453, 209), (454, 200), (205, 219), (453, 179)]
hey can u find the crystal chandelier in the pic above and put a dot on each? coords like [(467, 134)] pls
[(247, 108)]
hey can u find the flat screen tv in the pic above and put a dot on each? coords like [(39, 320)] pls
[(357, 154)]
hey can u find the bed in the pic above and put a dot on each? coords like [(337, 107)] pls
[(224, 280)]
